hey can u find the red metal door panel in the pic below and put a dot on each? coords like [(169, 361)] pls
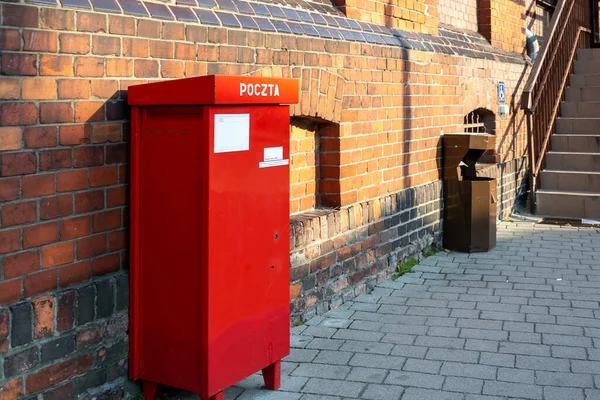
[(171, 215), (248, 234)]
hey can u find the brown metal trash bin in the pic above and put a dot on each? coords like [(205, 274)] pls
[(469, 200)]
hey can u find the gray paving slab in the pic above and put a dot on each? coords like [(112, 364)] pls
[(482, 326)]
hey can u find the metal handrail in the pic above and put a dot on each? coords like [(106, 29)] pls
[(569, 31)]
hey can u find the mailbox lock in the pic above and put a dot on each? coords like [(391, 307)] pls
[(276, 236)]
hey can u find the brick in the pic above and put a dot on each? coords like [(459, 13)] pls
[(106, 264), (106, 45), (117, 196), (75, 273), (171, 69), (63, 20), (39, 282), (91, 246), (117, 153), (468, 370), (90, 22), (39, 235), (89, 67), (105, 88), (106, 220), (43, 317), (123, 174), (119, 67), (90, 337), (40, 136), (19, 64), (74, 135), (55, 159), (85, 301), (115, 110), (104, 298), (21, 324), (10, 139), (148, 28), (161, 49), (58, 254), (39, 89), (512, 389), (121, 25), (109, 132), (89, 201), (43, 41), (51, 113), (66, 391), (56, 65), (58, 373), (73, 88), (75, 227), (72, 180), (18, 15), (66, 310), (88, 156), (57, 348), (74, 43), (38, 185), (10, 189), (10, 89), (10, 291), (21, 264), (145, 69), (57, 206), (18, 213), (185, 51), (89, 111), (19, 114), (11, 390), (103, 176), (10, 39), (21, 362), (196, 34), (173, 31), (122, 286), (138, 48)]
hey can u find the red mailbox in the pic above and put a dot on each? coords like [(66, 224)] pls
[(209, 231)]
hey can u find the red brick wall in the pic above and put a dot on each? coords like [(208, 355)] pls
[(459, 13), (379, 112), (412, 15)]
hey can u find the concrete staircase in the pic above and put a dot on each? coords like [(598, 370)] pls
[(570, 183)]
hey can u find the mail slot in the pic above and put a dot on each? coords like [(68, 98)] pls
[(209, 231)]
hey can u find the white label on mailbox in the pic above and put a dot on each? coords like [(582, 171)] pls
[(274, 163), (273, 153), (232, 132)]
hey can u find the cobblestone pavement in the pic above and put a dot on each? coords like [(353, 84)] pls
[(519, 322)]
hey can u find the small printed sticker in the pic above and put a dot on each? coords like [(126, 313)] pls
[(273, 153), (274, 163)]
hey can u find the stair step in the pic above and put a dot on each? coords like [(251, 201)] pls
[(561, 161), (583, 93), (583, 109), (568, 204), (577, 181), (584, 80), (591, 67), (576, 143), (579, 126), (588, 54)]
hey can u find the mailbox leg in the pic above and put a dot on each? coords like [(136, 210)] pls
[(149, 390), (272, 375), (218, 396)]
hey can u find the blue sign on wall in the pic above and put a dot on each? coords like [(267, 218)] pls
[(501, 94)]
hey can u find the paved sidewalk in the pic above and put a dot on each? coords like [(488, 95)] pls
[(519, 322)]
